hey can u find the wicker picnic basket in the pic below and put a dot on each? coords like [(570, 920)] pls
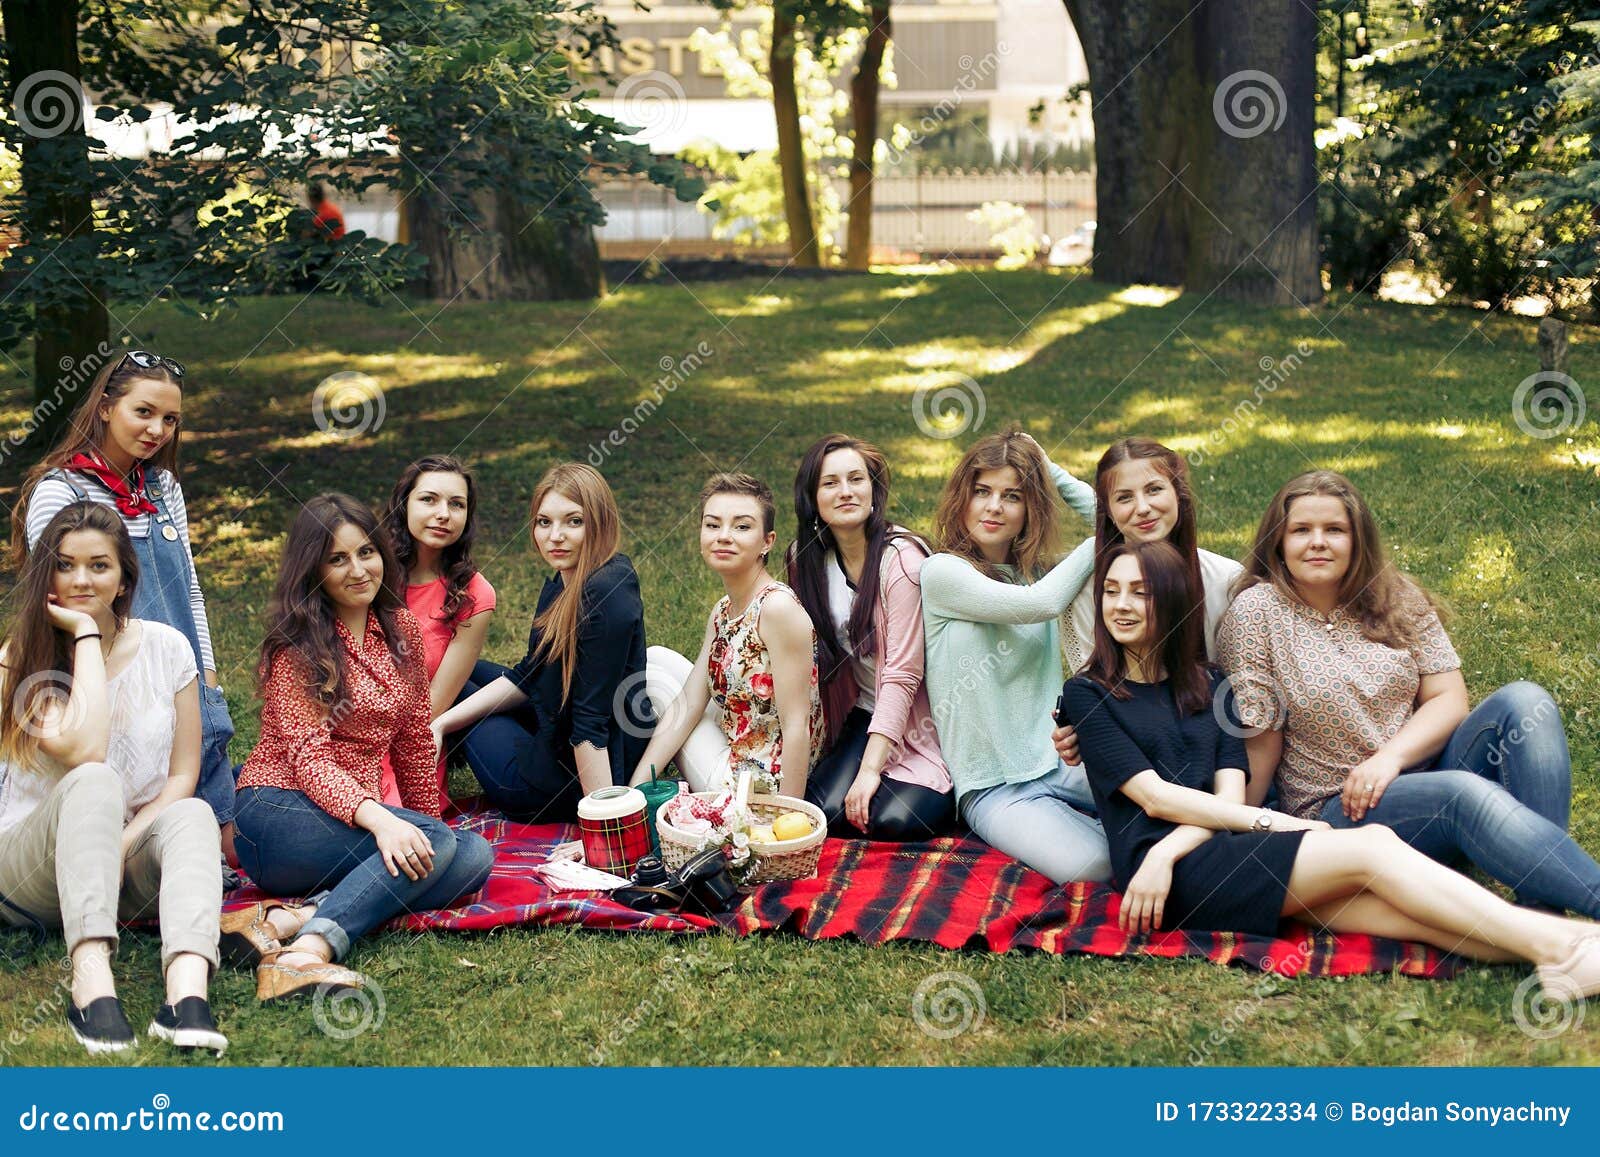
[(780, 860)]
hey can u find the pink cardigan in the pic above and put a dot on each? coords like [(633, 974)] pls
[(903, 714)]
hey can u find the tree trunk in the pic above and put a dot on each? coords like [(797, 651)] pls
[(864, 87), (1206, 167), (1145, 98), (791, 146), (517, 256), (57, 211)]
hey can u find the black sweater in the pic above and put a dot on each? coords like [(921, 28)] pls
[(1119, 738), (611, 653)]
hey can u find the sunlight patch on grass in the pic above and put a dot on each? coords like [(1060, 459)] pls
[(1488, 568), (1149, 296)]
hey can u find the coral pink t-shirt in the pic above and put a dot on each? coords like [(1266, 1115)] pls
[(426, 602)]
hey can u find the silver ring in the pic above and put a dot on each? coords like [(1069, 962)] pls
[(411, 855), (1372, 787)]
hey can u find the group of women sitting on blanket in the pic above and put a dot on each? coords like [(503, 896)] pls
[(908, 688)]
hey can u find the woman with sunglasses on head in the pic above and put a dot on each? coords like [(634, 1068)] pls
[(1344, 672), (562, 723), (99, 757), (342, 685), (121, 449), (1189, 853), (991, 599), (858, 577), (755, 679), (431, 521)]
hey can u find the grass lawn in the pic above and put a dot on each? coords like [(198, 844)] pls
[(1416, 404)]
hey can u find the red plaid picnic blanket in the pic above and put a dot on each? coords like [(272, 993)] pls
[(953, 892)]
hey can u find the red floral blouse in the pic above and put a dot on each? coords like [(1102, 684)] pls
[(336, 757)]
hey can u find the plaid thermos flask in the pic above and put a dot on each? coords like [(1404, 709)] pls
[(612, 823)]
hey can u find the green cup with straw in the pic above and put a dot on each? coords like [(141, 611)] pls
[(656, 793)]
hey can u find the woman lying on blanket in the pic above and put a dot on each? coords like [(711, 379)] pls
[(751, 695), (562, 723), (99, 758), (432, 519), (1169, 772), (1346, 676), (858, 577), (342, 684), (989, 608)]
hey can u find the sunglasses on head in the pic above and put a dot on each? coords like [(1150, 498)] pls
[(146, 360)]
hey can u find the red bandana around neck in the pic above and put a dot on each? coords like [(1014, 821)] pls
[(131, 502)]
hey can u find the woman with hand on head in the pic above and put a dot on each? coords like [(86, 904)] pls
[(432, 520), (991, 598), (1354, 693), (562, 723), (857, 575), (99, 757), (121, 449), (1190, 854), (1143, 494), (342, 685), (756, 675)]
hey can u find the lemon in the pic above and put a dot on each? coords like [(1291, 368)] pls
[(791, 826), (761, 834)]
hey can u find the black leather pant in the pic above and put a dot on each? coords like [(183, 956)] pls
[(899, 811)]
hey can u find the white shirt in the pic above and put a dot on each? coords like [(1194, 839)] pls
[(143, 721), (841, 603)]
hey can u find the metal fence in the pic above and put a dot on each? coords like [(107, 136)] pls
[(922, 212)]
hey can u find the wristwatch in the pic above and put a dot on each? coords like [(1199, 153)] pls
[(1262, 822)]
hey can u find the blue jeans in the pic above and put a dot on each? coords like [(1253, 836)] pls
[(1498, 795), (291, 847), (1036, 822)]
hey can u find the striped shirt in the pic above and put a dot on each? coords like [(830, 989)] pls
[(52, 494)]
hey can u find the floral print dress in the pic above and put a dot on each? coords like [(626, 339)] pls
[(740, 671)]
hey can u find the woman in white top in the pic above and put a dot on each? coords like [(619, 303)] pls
[(1143, 494), (121, 450), (99, 757)]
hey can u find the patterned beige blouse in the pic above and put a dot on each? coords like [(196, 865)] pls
[(1336, 695)]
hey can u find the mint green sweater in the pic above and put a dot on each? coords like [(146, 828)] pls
[(993, 659)]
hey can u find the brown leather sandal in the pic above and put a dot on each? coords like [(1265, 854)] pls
[(277, 981), (246, 938)]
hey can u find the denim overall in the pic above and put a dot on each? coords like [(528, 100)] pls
[(162, 595)]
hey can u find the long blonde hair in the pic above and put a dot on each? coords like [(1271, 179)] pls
[(1035, 548), (558, 624), (1391, 605)]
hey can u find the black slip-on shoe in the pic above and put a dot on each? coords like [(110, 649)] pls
[(101, 1027), (188, 1025)]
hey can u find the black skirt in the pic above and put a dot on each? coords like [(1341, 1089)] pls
[(1234, 882)]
